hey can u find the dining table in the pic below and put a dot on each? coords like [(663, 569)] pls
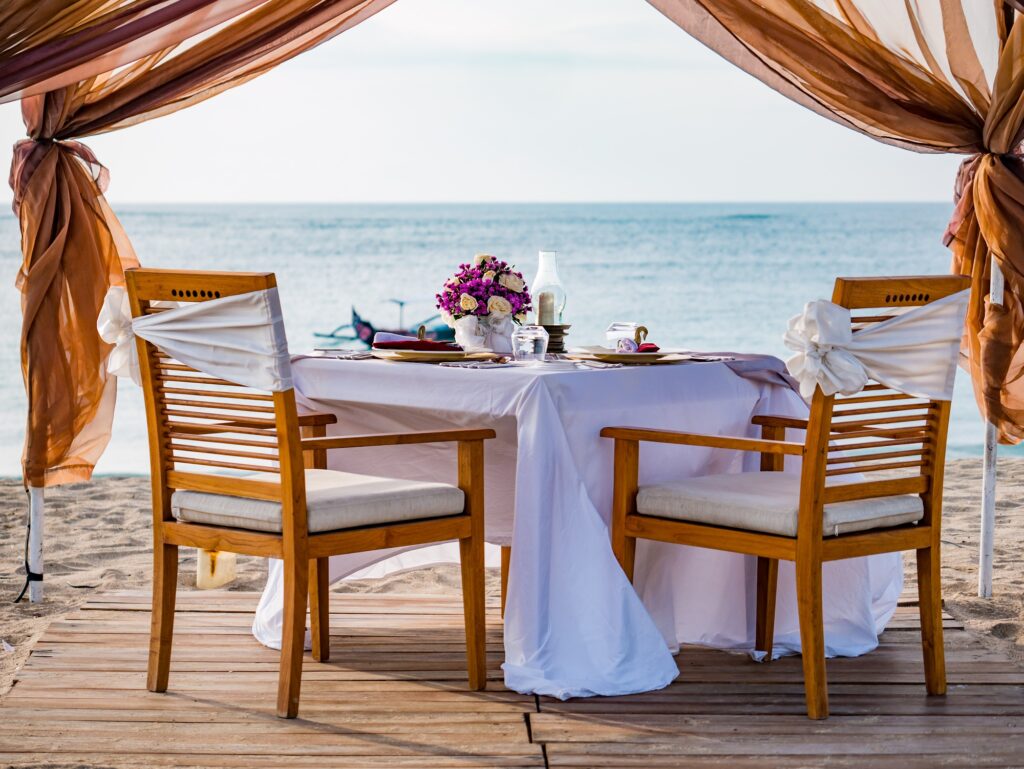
[(574, 625)]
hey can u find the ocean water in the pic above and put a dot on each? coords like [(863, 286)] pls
[(700, 276)]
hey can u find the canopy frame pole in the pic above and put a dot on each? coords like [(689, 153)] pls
[(988, 483), (36, 509)]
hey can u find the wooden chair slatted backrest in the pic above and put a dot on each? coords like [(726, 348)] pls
[(200, 425), (880, 430)]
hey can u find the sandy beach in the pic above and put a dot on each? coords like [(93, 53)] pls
[(98, 539)]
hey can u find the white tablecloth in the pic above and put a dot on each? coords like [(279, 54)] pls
[(574, 626)]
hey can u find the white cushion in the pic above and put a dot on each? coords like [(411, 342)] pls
[(768, 502), (334, 500)]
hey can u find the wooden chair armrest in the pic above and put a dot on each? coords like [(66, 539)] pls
[(395, 439), (774, 420), (317, 418), (710, 441)]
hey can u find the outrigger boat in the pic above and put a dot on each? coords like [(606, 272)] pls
[(362, 330)]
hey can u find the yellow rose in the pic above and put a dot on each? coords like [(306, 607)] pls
[(489, 275), (498, 305), (481, 258), (512, 282), (468, 303)]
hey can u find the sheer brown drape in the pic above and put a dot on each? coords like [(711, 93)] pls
[(926, 75), (73, 247), (49, 44)]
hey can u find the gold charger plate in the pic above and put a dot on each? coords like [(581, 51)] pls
[(607, 355), (431, 356)]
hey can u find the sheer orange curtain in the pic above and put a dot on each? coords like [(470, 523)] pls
[(48, 44), (929, 76), (73, 247)]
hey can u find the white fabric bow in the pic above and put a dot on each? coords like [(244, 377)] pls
[(238, 338), (915, 352), (115, 327)]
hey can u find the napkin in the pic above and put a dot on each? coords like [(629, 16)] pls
[(383, 340), (626, 345)]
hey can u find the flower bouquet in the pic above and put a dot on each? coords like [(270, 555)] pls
[(481, 301)]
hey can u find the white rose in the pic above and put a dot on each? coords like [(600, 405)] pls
[(447, 319), (499, 305), (452, 281), (489, 275), (481, 258), (468, 303), (521, 318), (512, 282)]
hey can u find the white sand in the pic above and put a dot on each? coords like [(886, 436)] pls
[(98, 539)]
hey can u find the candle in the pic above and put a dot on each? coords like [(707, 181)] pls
[(546, 309)]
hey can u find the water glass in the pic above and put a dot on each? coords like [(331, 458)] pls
[(620, 330), (530, 343)]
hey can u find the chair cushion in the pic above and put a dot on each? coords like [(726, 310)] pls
[(334, 500), (768, 502)]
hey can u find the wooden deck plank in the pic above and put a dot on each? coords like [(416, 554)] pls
[(659, 728), (779, 745), (592, 758), (109, 759), (394, 695)]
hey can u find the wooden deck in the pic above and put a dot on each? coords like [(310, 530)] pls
[(393, 696)]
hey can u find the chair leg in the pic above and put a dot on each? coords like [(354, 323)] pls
[(161, 635), (623, 546), (627, 555), (812, 636), (471, 552), (293, 636), (767, 583), (506, 561), (320, 608), (627, 470), (929, 589)]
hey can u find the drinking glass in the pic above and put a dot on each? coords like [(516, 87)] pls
[(530, 343), (620, 329)]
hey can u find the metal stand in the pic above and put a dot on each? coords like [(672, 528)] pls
[(35, 542), (988, 484)]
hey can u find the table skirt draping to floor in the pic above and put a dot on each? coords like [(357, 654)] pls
[(574, 626)]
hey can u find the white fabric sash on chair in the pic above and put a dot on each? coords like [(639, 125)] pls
[(238, 338), (916, 352)]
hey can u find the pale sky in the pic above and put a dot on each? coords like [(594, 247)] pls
[(481, 100)]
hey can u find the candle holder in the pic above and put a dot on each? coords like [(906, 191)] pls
[(556, 336), (547, 291)]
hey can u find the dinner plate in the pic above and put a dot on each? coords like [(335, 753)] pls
[(431, 356), (608, 355)]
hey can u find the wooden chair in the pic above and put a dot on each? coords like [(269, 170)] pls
[(282, 510), (802, 518)]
